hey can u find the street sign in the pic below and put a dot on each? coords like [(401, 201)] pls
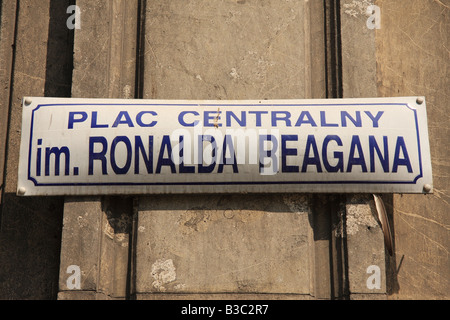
[(102, 146)]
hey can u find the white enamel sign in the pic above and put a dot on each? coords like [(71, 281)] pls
[(100, 147)]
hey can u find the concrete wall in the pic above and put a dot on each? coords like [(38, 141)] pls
[(96, 233), (413, 59), (359, 81), (408, 56), (35, 59), (219, 243)]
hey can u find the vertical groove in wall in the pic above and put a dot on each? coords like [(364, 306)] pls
[(9, 102), (338, 242), (138, 94), (131, 274), (140, 50), (308, 64), (333, 52), (339, 89), (339, 250), (334, 217), (59, 63)]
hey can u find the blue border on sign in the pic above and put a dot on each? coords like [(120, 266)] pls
[(37, 184)]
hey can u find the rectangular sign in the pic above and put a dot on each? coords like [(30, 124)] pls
[(100, 147)]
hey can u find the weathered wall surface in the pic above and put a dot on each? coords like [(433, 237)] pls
[(413, 60), (228, 243), (35, 59), (359, 81), (229, 50)]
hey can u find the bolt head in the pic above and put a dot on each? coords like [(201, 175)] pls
[(28, 101), (427, 188), (420, 100), (21, 191)]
